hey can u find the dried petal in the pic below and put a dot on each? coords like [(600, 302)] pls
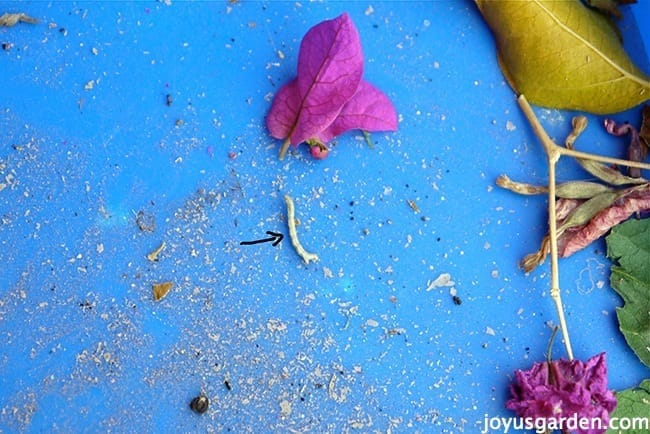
[(644, 131), (635, 151)]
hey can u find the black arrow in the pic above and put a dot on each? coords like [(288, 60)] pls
[(276, 237)]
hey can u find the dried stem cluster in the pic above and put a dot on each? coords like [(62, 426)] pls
[(554, 153)]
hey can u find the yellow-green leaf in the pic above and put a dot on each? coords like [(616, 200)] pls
[(560, 54)]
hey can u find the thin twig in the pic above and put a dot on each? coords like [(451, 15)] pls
[(553, 153), (601, 158)]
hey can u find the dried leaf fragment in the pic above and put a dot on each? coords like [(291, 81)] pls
[(10, 20), (160, 290)]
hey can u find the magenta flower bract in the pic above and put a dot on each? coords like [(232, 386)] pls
[(329, 96), (562, 389)]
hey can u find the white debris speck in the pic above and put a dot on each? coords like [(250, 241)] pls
[(443, 280), (510, 126), (285, 408), (490, 331), (275, 325), (372, 323), (369, 11)]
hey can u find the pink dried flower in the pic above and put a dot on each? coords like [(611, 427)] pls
[(562, 389), (328, 97)]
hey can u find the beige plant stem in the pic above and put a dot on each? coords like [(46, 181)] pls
[(553, 153)]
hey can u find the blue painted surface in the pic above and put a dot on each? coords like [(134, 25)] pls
[(353, 342)]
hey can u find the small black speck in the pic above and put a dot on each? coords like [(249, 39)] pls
[(457, 300), (227, 384)]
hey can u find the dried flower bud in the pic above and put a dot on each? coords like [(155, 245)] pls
[(567, 190), (586, 210), (532, 260), (605, 173), (580, 189), (504, 181), (579, 124)]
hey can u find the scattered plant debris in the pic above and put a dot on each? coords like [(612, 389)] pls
[(160, 290)]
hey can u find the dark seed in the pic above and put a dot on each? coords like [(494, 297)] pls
[(200, 404), (457, 300)]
